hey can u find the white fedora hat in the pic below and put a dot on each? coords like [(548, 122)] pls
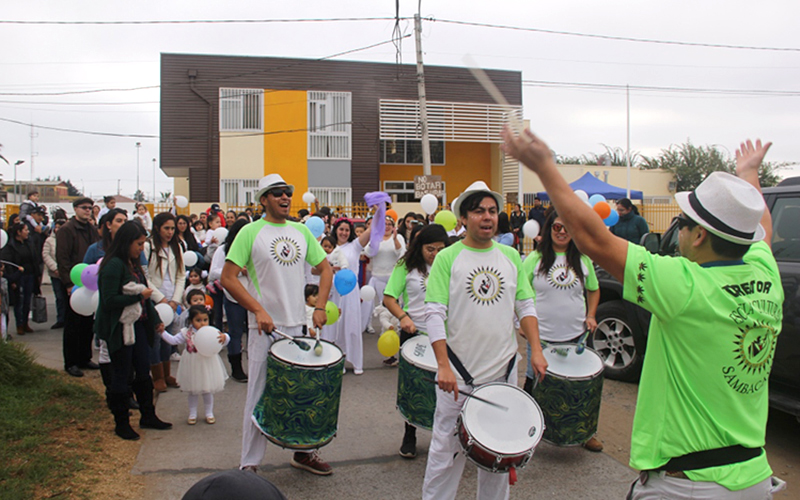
[(477, 187), (727, 206), (271, 181)]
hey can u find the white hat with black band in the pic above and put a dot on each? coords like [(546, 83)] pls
[(271, 181), (726, 206), (477, 187)]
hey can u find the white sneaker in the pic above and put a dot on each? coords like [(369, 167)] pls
[(175, 356)]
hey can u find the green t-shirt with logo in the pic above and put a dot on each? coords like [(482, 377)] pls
[(480, 288), (409, 287), (274, 255), (710, 348)]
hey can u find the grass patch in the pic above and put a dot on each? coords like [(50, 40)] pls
[(47, 428)]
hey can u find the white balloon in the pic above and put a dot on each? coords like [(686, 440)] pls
[(181, 201), (429, 203), (83, 301), (189, 258), (531, 229), (3, 238), (308, 197), (580, 193), (166, 313), (206, 340), (367, 293), (221, 233)]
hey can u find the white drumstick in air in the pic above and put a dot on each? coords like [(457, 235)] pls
[(494, 92)]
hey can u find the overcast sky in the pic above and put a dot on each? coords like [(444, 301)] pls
[(41, 59)]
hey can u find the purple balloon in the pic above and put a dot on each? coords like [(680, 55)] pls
[(89, 276)]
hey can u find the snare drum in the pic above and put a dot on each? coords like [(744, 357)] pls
[(495, 439), (299, 408), (570, 394), (416, 397)]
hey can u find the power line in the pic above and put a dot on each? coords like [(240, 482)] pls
[(615, 38), (87, 132), (199, 21), (648, 88)]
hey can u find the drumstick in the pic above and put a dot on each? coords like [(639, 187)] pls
[(582, 343), (300, 344), (561, 351), (490, 88), (470, 395)]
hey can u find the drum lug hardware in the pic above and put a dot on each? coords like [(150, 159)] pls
[(532, 431)]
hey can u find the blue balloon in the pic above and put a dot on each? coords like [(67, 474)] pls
[(595, 198), (345, 281), (315, 225), (74, 288), (178, 310), (612, 218)]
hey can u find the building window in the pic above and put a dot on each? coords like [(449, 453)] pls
[(241, 109), (329, 117), (333, 196), (239, 192), (403, 191), (409, 152)]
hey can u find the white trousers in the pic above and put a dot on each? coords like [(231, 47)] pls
[(346, 333), (446, 460), (254, 444), (659, 485)]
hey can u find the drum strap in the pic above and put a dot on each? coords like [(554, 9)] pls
[(468, 379), (712, 458)]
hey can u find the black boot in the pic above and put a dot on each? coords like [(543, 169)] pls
[(528, 385), (105, 375), (119, 407), (236, 367), (143, 389), (409, 447)]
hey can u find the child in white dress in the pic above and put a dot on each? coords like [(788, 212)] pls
[(198, 374)]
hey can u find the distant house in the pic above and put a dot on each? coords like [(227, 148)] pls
[(49, 191), (336, 128)]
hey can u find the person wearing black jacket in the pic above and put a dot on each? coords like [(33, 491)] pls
[(22, 274), (517, 219)]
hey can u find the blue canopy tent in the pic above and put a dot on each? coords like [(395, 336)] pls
[(593, 185)]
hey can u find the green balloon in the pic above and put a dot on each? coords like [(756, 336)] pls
[(446, 219), (75, 273), (332, 310)]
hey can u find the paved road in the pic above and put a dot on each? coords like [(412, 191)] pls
[(364, 452)]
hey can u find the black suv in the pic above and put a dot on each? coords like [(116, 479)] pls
[(621, 334)]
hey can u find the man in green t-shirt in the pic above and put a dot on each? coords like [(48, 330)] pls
[(701, 413), (476, 286), (273, 252)]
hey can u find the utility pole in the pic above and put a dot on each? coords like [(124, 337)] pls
[(628, 131), (423, 101), (16, 188), (154, 180), (117, 187), (34, 135), (138, 147)]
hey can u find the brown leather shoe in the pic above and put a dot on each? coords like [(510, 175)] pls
[(593, 444), (157, 371), (27, 328), (20, 330)]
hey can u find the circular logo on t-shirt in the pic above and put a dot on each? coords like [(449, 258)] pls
[(485, 286), (285, 251), (754, 348), (562, 276)]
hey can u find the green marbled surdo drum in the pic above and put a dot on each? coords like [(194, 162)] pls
[(300, 405), (570, 394), (416, 397)]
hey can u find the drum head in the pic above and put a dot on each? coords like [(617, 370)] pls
[(589, 364), (286, 350), (514, 431), (418, 351)]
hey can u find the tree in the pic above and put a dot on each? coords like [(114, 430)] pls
[(692, 164), (3, 157), (139, 195), (71, 189), (612, 157), (165, 196)]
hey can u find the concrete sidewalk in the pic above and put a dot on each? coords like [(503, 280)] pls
[(364, 453)]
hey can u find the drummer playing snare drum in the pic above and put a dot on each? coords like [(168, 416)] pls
[(476, 285), (558, 274), (274, 251)]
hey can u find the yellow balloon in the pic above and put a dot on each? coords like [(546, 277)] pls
[(389, 343)]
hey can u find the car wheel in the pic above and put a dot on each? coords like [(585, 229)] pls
[(620, 346)]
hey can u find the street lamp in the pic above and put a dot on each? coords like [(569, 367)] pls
[(138, 147), (154, 180), (16, 164)]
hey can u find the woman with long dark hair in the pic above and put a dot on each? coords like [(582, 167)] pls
[(22, 273), (559, 273), (129, 352), (183, 228), (236, 314), (165, 271), (504, 235), (347, 331), (408, 281)]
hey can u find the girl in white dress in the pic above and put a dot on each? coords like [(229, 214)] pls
[(198, 374)]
